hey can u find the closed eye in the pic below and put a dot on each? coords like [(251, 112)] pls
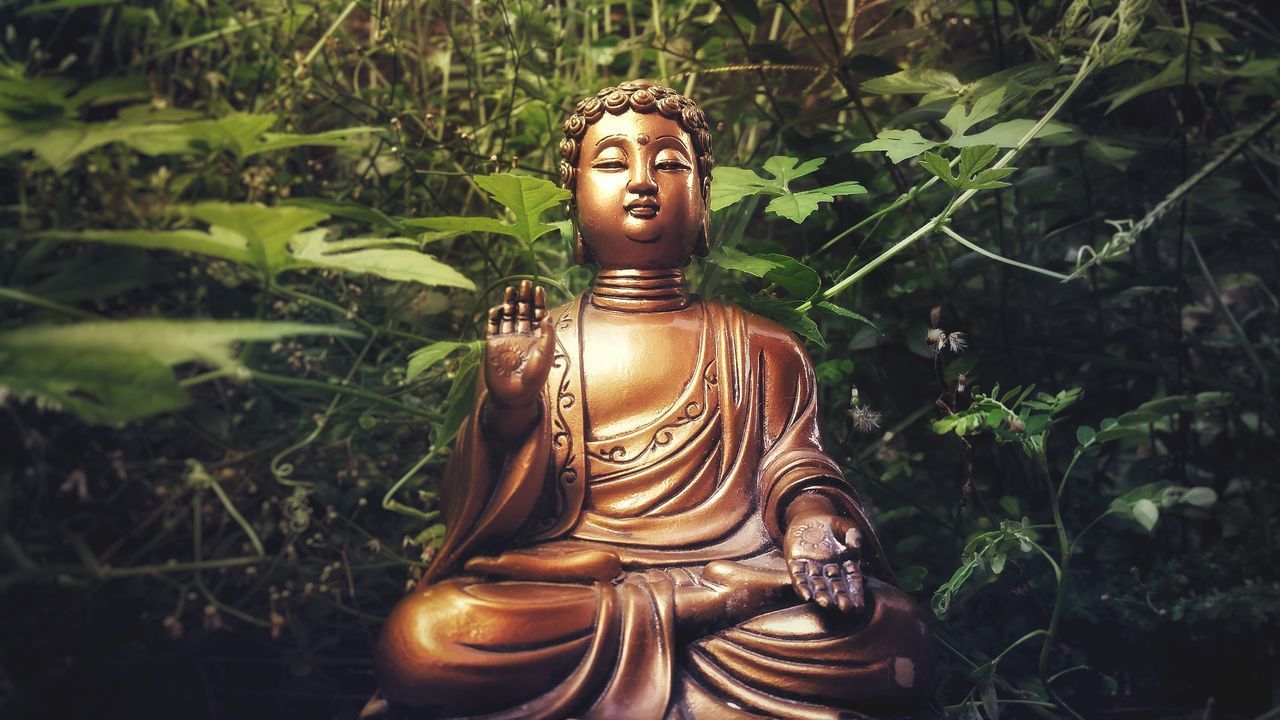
[(609, 165), (671, 165)]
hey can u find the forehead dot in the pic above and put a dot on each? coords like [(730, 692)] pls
[(643, 138)]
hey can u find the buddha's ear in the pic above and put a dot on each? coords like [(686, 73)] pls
[(702, 247), (581, 255)]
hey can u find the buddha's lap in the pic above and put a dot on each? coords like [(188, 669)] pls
[(468, 646)]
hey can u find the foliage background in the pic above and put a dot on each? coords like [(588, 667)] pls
[(197, 528)]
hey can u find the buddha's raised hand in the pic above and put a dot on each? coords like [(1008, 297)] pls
[(824, 555), (518, 351)]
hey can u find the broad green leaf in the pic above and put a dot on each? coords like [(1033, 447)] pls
[(461, 225), (527, 198), (1084, 435), (1146, 513), (899, 145), (731, 184), (427, 356), (967, 112), (848, 187), (460, 400), (350, 210), (390, 258), (1201, 497), (733, 259), (845, 313), (915, 81), (52, 5), (228, 246), (975, 158), (331, 138), (798, 279), (117, 371), (268, 230), (938, 166), (788, 316), (167, 341), (796, 207), (785, 169), (1007, 134), (101, 387)]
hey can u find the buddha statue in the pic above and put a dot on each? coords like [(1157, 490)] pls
[(641, 520)]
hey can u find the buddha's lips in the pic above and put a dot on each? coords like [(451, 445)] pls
[(642, 208)]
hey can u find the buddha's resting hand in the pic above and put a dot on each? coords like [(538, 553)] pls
[(518, 355), (823, 552)]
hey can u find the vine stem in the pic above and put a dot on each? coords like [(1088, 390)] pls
[(1060, 598), (999, 258), (1087, 66)]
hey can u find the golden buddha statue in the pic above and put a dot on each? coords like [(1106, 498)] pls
[(642, 522)]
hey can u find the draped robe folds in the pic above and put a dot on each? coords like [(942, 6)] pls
[(707, 481)]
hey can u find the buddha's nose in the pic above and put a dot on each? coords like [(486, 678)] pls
[(641, 181)]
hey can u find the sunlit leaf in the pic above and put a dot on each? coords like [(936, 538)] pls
[(899, 145)]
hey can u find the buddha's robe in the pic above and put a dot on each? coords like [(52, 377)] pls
[(708, 481)]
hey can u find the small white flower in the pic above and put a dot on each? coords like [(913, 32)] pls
[(957, 341)]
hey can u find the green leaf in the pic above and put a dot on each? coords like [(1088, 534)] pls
[(1201, 497), (975, 158), (527, 198), (1085, 435), (788, 316), (117, 371), (785, 169), (268, 230), (733, 259), (427, 356), (845, 313), (938, 166), (1007, 134), (796, 207), (1146, 513), (167, 341), (391, 258), (102, 387), (848, 187), (899, 145), (970, 111), (915, 81), (731, 184), (460, 400), (227, 246), (794, 276), (350, 210)]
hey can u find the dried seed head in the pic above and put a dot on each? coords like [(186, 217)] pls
[(865, 419), (957, 341), (936, 339)]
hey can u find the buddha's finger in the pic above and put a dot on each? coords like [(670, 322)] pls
[(857, 591), (844, 603), (822, 594), (540, 301), (800, 579), (495, 320), (523, 317), (524, 307)]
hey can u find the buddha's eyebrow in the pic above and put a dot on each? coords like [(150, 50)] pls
[(607, 137)]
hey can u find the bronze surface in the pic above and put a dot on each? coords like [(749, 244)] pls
[(642, 521)]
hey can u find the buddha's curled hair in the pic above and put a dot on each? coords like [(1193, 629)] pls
[(642, 96)]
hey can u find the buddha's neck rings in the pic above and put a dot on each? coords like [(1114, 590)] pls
[(630, 290)]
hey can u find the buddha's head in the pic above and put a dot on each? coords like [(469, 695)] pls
[(637, 158)]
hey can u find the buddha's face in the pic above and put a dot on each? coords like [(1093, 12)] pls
[(638, 193)]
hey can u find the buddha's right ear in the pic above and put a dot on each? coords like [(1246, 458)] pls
[(581, 255)]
